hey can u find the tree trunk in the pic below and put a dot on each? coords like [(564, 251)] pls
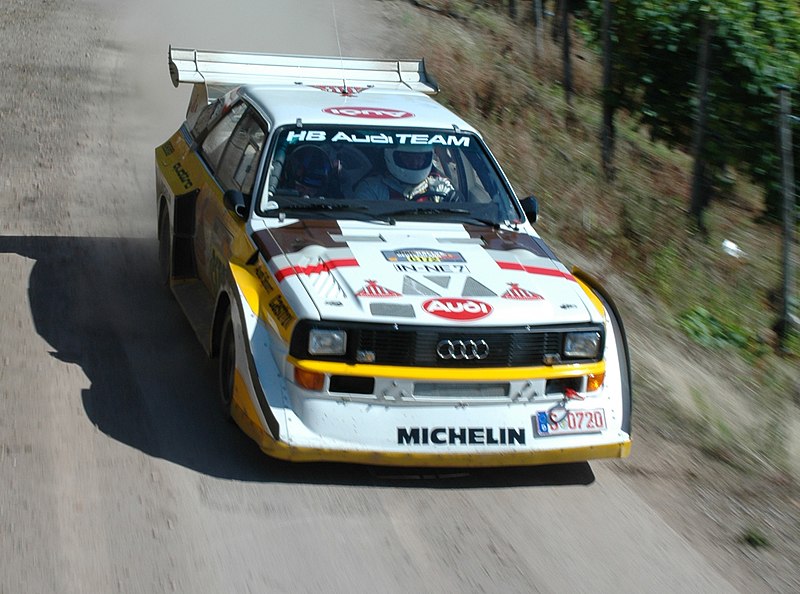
[(538, 19), (701, 185), (555, 32), (512, 9), (566, 55), (607, 132)]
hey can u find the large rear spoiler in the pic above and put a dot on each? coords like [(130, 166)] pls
[(228, 69)]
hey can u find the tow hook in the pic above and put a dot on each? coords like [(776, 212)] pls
[(559, 411)]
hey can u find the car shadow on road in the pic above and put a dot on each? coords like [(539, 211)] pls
[(99, 305)]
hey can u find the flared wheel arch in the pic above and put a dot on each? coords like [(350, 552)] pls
[(621, 343)]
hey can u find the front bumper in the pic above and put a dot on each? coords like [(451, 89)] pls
[(316, 430)]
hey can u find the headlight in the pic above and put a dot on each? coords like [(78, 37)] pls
[(582, 345), (327, 342)]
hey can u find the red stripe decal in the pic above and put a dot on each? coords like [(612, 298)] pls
[(314, 268), (535, 270)]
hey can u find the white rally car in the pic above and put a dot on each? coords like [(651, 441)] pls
[(356, 259)]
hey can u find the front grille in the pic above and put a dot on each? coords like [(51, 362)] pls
[(416, 346)]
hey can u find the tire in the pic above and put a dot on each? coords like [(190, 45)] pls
[(227, 367), (164, 249)]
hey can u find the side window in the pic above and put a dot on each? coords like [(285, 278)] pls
[(447, 162), (214, 143), (482, 185), (237, 168), (206, 115)]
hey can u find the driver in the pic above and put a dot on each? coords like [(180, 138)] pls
[(309, 171), (410, 175)]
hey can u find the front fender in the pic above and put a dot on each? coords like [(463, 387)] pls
[(612, 312)]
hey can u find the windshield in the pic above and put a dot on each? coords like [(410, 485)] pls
[(398, 173)]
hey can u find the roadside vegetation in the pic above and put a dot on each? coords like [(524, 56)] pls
[(711, 282)]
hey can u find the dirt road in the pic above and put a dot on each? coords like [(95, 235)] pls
[(116, 472)]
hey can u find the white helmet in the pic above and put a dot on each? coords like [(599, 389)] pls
[(409, 163)]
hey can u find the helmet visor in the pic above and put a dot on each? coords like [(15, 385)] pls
[(413, 160)]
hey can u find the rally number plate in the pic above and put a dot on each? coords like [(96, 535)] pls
[(576, 421)]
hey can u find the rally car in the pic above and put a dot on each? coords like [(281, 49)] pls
[(354, 257)]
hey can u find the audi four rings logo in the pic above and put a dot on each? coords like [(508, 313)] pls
[(462, 349)]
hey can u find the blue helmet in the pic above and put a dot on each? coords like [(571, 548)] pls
[(310, 168)]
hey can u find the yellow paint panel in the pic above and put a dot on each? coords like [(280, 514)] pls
[(597, 303), (433, 373), (269, 306)]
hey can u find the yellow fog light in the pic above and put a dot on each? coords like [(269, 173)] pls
[(594, 381), (310, 380)]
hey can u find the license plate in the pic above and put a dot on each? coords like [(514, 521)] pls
[(576, 421)]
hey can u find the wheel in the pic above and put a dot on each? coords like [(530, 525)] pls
[(164, 249), (227, 367)]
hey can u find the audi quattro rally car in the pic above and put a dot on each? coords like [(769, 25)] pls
[(357, 261)]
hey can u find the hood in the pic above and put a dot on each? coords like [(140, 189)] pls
[(419, 273)]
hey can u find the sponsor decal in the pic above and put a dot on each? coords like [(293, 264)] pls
[(515, 292), (266, 279), (456, 308), (373, 289), (378, 138), (461, 436), (167, 148), (363, 138), (568, 306), (440, 268), (183, 175), (373, 113), (340, 90), (281, 311), (422, 255)]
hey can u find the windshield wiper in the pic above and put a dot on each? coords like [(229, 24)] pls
[(414, 209), (326, 208), (460, 214), (323, 206)]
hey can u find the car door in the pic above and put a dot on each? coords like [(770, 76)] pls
[(232, 152)]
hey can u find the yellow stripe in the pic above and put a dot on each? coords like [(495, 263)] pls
[(283, 451), (433, 373), (597, 303)]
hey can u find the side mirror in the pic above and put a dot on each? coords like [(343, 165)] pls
[(236, 202), (530, 206)]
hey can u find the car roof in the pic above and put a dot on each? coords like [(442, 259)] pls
[(285, 104)]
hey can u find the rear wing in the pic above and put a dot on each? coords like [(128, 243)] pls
[(229, 69)]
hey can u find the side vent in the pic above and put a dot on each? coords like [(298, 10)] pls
[(183, 264)]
